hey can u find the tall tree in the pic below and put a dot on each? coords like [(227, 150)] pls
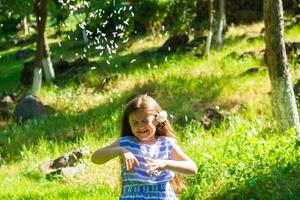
[(221, 23), (42, 58), (210, 25), (283, 98)]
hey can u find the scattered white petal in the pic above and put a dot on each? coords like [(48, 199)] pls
[(99, 47), (133, 60)]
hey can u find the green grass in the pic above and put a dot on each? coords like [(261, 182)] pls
[(245, 158)]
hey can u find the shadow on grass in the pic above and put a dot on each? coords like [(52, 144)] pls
[(122, 65), (104, 120), (233, 40)]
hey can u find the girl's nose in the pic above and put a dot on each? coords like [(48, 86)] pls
[(140, 125)]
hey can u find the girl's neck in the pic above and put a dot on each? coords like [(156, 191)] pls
[(151, 140)]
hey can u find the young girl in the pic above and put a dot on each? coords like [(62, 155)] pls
[(149, 153)]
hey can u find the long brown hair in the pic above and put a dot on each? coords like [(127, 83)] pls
[(147, 104)]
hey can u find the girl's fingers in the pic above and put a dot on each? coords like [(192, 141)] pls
[(148, 159), (149, 164), (136, 161), (130, 164)]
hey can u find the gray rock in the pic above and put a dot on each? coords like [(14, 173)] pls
[(6, 103), (212, 118), (69, 159), (30, 107)]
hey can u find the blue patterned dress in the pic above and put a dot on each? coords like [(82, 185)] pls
[(140, 185)]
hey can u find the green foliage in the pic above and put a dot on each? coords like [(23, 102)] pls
[(244, 158), (151, 14), (59, 13), (181, 16)]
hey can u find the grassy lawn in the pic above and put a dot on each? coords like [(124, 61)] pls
[(244, 158)]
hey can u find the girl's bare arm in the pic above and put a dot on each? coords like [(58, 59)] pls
[(107, 153), (102, 155), (181, 163)]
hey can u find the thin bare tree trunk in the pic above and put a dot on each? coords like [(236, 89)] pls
[(210, 23), (84, 33), (42, 48), (283, 98), (46, 62), (25, 25), (222, 23)]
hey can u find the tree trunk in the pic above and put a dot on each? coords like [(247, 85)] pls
[(42, 48), (25, 25), (210, 24), (283, 98), (37, 80), (46, 62), (84, 33), (222, 22)]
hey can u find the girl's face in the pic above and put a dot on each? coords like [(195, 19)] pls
[(143, 125)]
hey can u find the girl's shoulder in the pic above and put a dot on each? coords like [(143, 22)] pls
[(168, 140), (126, 138)]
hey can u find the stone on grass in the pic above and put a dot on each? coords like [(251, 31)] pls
[(6, 103), (70, 159), (29, 107), (68, 165), (212, 118)]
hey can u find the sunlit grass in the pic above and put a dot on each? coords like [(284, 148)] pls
[(246, 157)]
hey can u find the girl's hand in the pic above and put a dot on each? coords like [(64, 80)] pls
[(155, 166), (129, 159)]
